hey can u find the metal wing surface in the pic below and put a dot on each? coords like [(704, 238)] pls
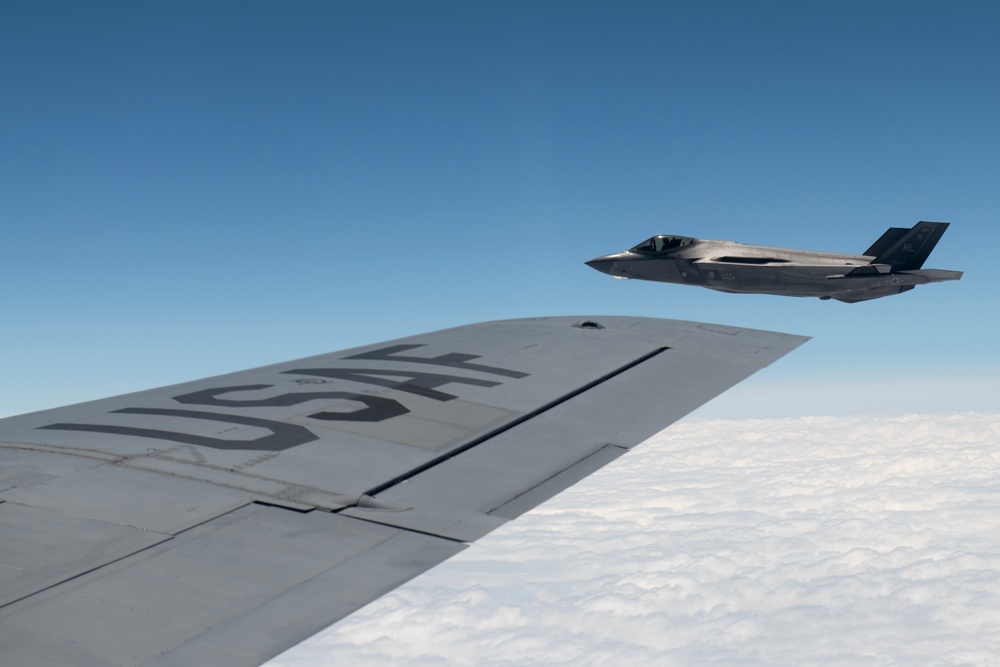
[(224, 520)]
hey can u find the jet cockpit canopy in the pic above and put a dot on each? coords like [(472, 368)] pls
[(663, 244)]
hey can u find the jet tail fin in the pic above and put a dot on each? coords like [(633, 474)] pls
[(907, 249), (885, 241)]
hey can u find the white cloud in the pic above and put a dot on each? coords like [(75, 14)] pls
[(781, 393), (808, 541)]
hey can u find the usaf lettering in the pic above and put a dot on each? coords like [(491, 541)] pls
[(283, 435)]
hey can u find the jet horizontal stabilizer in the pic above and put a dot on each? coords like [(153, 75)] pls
[(936, 275)]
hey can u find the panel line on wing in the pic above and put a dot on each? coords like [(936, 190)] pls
[(520, 420)]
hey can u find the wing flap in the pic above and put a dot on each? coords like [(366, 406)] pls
[(552, 485), (41, 548), (235, 591)]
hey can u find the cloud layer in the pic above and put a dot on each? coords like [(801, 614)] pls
[(807, 541)]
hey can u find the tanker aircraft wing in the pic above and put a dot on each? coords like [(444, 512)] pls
[(221, 521), (892, 265)]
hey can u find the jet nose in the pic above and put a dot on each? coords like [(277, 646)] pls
[(603, 263), (609, 264)]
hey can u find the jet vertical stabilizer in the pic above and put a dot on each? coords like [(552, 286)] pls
[(886, 241), (910, 250)]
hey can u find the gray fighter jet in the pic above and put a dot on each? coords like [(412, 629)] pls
[(892, 265)]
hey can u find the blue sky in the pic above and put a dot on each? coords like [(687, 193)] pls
[(191, 188)]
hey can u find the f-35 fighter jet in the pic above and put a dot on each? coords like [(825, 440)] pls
[(892, 265)]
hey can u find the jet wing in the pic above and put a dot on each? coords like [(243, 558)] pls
[(224, 520)]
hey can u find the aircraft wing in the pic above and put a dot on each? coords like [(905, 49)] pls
[(222, 521)]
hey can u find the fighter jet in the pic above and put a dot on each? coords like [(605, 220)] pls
[(892, 265)]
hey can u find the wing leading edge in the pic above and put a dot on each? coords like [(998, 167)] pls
[(224, 520)]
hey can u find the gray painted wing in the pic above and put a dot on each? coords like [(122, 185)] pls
[(224, 520)]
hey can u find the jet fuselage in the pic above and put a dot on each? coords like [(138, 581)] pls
[(728, 266)]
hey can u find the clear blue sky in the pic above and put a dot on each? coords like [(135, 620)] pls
[(190, 188)]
